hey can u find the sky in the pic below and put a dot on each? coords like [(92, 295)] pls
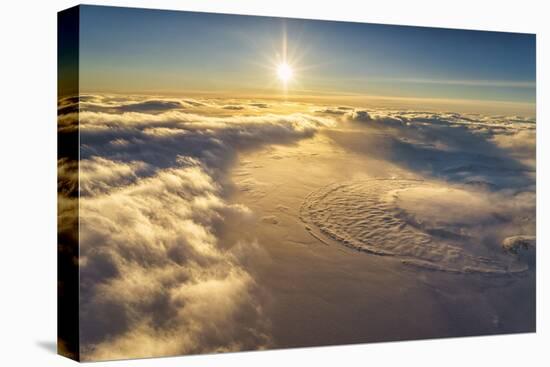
[(143, 51)]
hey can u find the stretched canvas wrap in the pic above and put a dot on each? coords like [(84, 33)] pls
[(237, 183)]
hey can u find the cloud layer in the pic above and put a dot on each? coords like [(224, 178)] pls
[(158, 276)]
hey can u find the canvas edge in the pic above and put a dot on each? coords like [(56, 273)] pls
[(68, 330)]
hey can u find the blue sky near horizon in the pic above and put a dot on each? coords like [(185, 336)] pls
[(138, 50)]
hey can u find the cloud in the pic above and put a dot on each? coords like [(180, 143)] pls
[(458, 147), (153, 270), (427, 224), (365, 116), (259, 105), (158, 277), (522, 142), (150, 106), (331, 111), (158, 139), (159, 274), (100, 175), (233, 107), (164, 131), (194, 103), (335, 110), (484, 188)]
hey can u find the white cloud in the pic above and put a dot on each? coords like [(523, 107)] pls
[(150, 260)]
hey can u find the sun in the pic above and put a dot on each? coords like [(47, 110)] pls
[(284, 72)]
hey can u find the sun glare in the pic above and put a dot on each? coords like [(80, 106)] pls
[(284, 72)]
